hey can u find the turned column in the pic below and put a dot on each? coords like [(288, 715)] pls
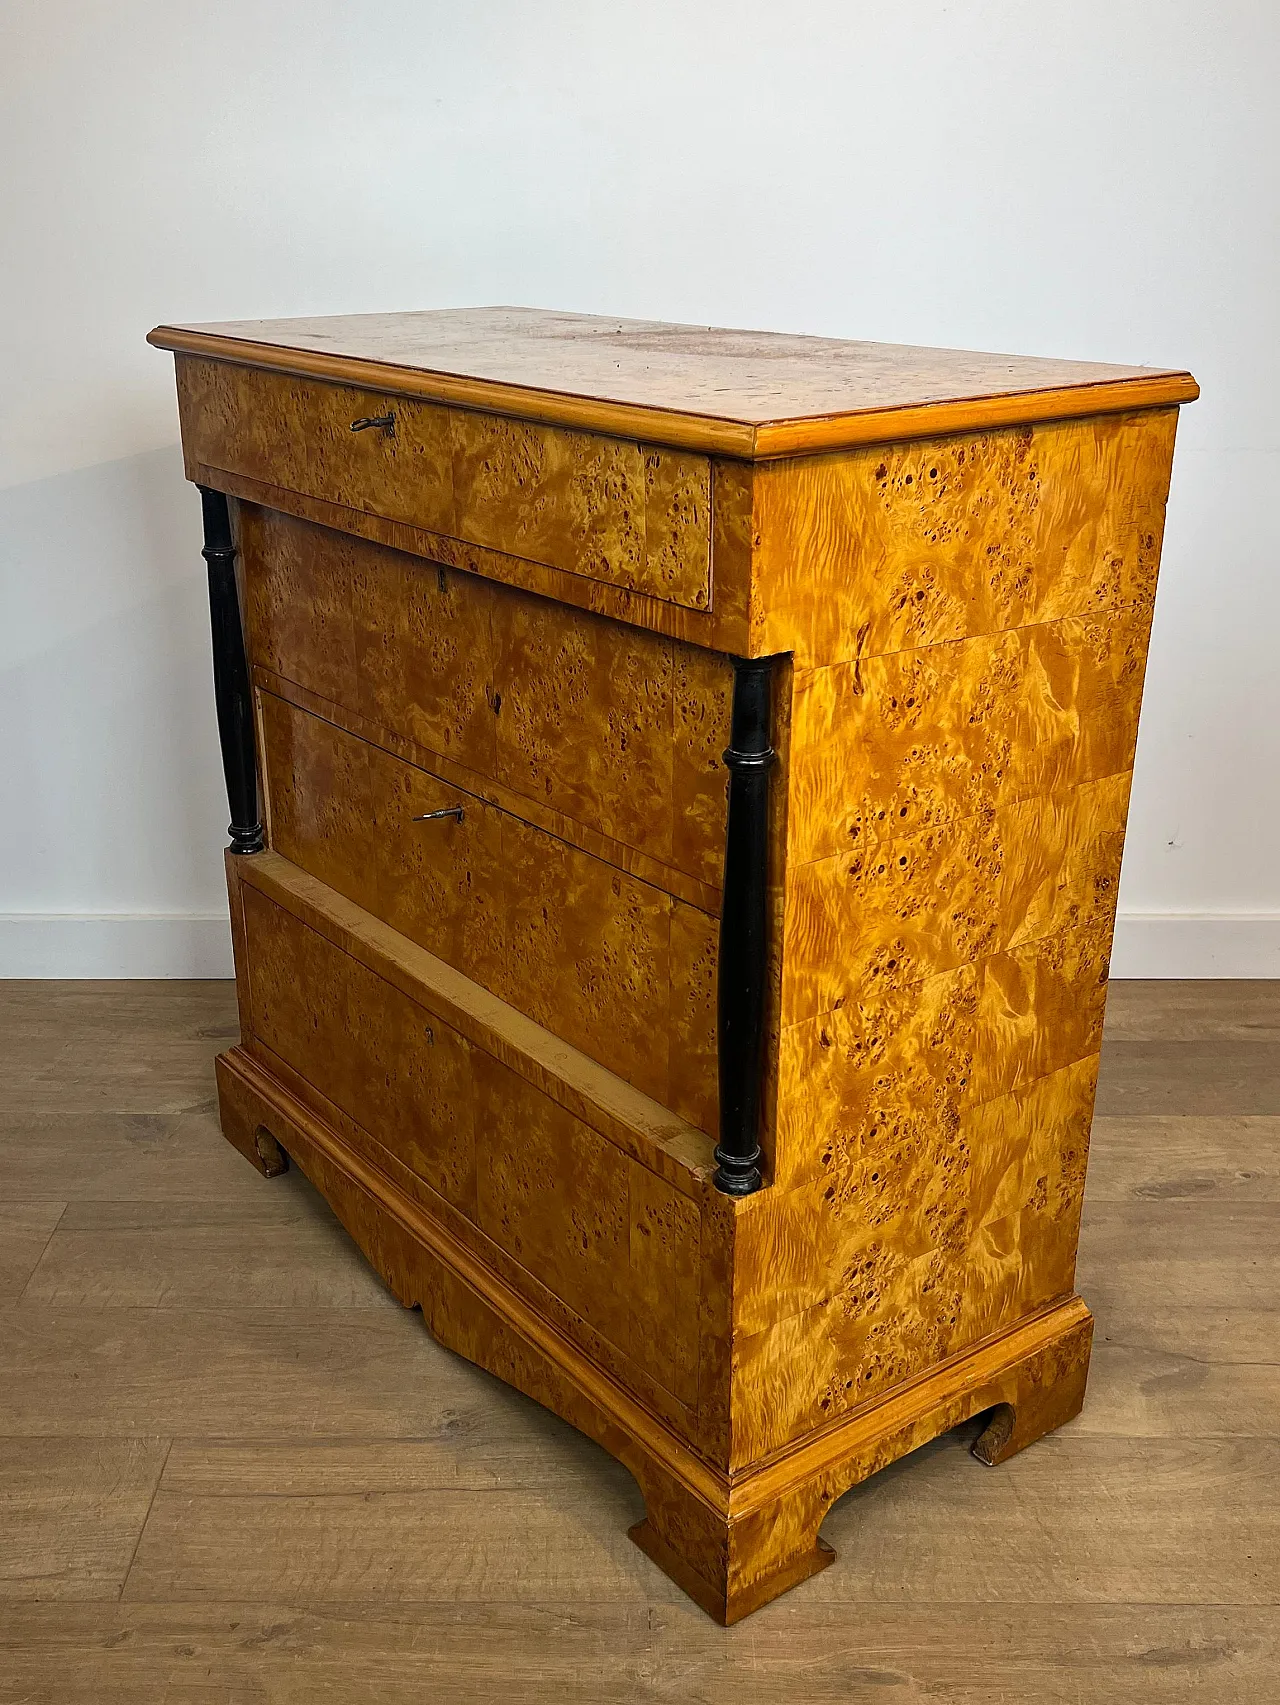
[(231, 677), (744, 934)]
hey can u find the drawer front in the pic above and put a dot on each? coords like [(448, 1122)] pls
[(381, 1058), (617, 967), (610, 509), (613, 1242), (618, 729)]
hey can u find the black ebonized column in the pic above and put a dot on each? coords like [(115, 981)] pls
[(744, 934), (231, 677)]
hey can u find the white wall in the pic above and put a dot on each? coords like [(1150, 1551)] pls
[(1095, 180)]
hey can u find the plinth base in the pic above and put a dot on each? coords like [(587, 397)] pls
[(732, 1542)]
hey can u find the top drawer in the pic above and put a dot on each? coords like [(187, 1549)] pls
[(609, 509)]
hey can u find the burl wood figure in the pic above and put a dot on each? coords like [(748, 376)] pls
[(678, 783)]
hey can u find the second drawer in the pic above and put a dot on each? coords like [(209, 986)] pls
[(620, 969), (618, 729)]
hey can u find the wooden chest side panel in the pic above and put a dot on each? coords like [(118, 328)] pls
[(888, 747), (927, 1245), (613, 1242), (897, 911), (898, 546), (607, 509), (579, 946), (901, 1066), (610, 726), (958, 790)]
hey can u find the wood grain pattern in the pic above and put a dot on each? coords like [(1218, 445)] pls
[(535, 1179), (899, 546), (731, 1543), (606, 508), (883, 1078), (240, 1077), (618, 1244), (269, 1251), (1217, 1653), (614, 510), (722, 627), (25, 1230), (655, 1135), (710, 388), (917, 1245), (918, 904), (595, 724), (577, 945), (958, 793), (888, 746), (317, 1451), (490, 1044), (878, 549), (74, 1509), (608, 727), (671, 880), (366, 1047)]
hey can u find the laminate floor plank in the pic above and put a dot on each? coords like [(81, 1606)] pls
[(57, 1015), (125, 1157), (1156, 1520), (246, 1652), (71, 1513), (1073, 1519), (1172, 1158), (300, 1468), (25, 1230), (1149, 1011), (210, 1405), (282, 1249), (261, 1372), (119, 1048), (1138, 1259), (1218, 1077), (391, 1547), (1140, 1391)]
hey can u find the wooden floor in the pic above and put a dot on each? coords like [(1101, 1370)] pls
[(233, 1470)]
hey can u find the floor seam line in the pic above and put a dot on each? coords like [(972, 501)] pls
[(44, 1250), (155, 1492)]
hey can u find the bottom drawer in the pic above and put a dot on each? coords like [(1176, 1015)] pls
[(615, 1243)]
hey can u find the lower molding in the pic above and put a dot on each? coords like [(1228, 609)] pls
[(1192, 945), (82, 945), (731, 1540)]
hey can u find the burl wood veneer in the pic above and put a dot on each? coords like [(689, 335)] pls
[(694, 767)]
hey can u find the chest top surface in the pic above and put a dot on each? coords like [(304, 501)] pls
[(740, 393)]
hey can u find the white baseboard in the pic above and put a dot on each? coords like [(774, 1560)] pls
[(115, 944), (1194, 945)]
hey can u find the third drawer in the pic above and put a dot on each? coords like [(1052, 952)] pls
[(619, 968)]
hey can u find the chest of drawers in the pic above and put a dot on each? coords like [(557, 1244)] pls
[(678, 783)]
